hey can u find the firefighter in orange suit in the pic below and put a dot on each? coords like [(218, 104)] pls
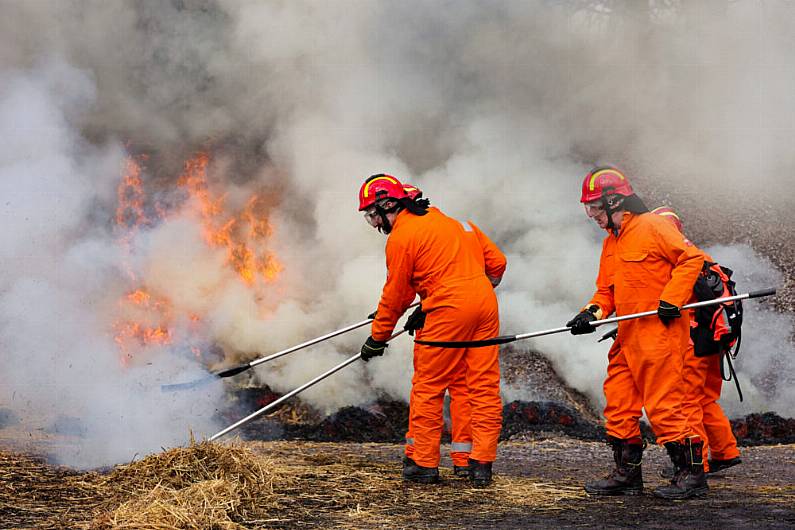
[(461, 442), (703, 382), (448, 263), (646, 264)]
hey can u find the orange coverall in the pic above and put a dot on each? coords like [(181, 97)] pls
[(460, 411), (648, 261), (436, 257), (703, 384)]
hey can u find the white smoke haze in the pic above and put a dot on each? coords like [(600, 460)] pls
[(495, 110), (765, 362)]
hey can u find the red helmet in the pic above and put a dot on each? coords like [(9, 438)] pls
[(669, 214), (378, 187), (604, 181), (412, 191)]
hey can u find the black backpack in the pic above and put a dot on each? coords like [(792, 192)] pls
[(717, 329)]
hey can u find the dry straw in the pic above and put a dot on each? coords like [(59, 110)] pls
[(254, 485)]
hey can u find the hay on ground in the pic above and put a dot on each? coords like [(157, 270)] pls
[(204, 485)]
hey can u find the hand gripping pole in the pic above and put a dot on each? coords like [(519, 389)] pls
[(504, 339)]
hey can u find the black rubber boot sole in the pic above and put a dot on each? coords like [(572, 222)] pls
[(716, 466), (686, 494), (412, 472), (422, 479), (633, 491)]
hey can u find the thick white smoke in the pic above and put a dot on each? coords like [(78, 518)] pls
[(494, 110), (61, 278)]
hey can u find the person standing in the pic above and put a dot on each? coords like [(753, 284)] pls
[(449, 265), (460, 411), (703, 380), (646, 264)]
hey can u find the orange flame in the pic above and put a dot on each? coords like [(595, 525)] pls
[(243, 235), (151, 329), (130, 193)]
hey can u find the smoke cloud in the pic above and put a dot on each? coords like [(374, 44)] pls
[(495, 110)]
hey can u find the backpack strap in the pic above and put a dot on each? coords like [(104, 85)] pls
[(732, 374)]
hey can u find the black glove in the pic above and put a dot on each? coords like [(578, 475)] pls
[(371, 316), (415, 321), (667, 312), (581, 324), (373, 348)]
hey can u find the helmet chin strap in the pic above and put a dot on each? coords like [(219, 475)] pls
[(386, 226), (611, 209)]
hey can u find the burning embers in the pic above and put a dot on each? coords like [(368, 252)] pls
[(241, 232), (386, 421)]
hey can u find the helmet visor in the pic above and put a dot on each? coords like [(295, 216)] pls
[(594, 208), (371, 216)]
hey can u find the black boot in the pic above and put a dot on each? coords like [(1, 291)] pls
[(416, 473), (716, 466), (689, 477), (479, 473), (627, 477), (461, 471)]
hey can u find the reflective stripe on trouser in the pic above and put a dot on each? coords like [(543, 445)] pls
[(409, 447), (459, 451), (460, 413), (432, 376), (647, 375), (722, 443)]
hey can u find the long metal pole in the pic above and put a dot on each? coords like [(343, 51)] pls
[(229, 372), (611, 320), (315, 341), (287, 396), (505, 339)]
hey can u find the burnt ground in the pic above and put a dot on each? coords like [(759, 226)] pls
[(759, 493), (358, 485)]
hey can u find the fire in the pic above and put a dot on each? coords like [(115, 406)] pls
[(130, 194), (243, 234), (130, 208), (150, 328)]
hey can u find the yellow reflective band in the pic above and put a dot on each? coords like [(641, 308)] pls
[(592, 181), (367, 187)]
